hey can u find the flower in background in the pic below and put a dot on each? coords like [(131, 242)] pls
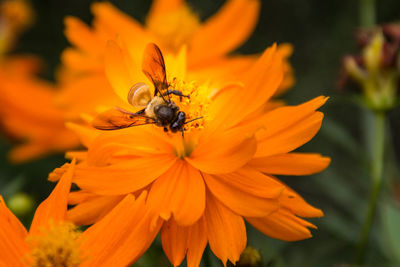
[(205, 183), (250, 257), (27, 112), (377, 69), (15, 17), (116, 240)]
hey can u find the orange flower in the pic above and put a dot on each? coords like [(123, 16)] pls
[(116, 240), (170, 24), (203, 185), (84, 89)]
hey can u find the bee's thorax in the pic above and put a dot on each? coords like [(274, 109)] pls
[(156, 101)]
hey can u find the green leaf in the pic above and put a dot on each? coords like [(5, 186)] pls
[(337, 134), (391, 221)]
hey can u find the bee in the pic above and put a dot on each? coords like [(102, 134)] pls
[(158, 109)]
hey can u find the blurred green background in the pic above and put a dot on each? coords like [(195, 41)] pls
[(321, 32)]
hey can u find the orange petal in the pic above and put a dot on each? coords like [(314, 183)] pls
[(159, 7), (226, 231), (239, 200), (180, 240), (76, 197), (121, 237), (233, 103), (291, 138), (197, 243), (291, 164), (80, 35), (79, 61), (282, 225), (222, 153), (86, 135), (92, 210), (263, 78), (297, 205), (107, 11), (176, 64), (124, 143), (117, 70), (252, 182), (24, 64), (229, 68), (78, 155), (224, 104), (286, 117), (224, 31), (174, 240), (55, 206), (107, 16), (286, 121), (180, 191), (25, 152), (87, 94), (131, 175), (12, 238)]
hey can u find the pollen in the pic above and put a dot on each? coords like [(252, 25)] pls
[(195, 106), (55, 246), (174, 28)]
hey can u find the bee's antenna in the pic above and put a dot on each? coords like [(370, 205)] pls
[(193, 120)]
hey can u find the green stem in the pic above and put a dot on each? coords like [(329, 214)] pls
[(367, 13), (375, 143), (376, 176)]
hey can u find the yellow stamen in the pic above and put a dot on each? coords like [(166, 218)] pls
[(195, 106), (174, 28), (55, 246)]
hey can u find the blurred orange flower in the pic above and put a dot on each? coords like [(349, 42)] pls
[(27, 112), (15, 17), (205, 183), (52, 241)]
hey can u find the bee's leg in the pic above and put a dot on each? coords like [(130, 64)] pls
[(140, 112), (183, 133), (165, 129), (175, 92)]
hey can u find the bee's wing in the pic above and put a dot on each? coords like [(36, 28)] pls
[(117, 118), (153, 67)]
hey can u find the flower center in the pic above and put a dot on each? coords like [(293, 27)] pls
[(174, 28), (195, 106), (55, 246)]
